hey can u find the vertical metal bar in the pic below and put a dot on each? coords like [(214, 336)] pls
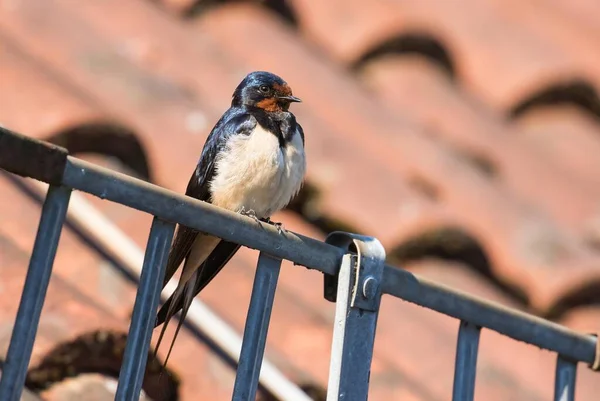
[(132, 371), (353, 339), (34, 292), (342, 309), (564, 381), (357, 306), (257, 326), (465, 367)]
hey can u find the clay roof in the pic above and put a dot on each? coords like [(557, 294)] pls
[(464, 139)]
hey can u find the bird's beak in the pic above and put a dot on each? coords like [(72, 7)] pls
[(290, 98)]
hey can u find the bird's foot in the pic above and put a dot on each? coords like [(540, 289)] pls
[(250, 213), (279, 226)]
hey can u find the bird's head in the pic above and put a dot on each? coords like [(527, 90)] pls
[(264, 90)]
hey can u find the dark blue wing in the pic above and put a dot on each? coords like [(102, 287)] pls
[(233, 122)]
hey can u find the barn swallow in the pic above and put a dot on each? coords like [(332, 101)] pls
[(253, 163)]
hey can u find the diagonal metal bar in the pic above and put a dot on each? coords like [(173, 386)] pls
[(142, 320), (564, 381), (34, 293), (257, 326), (465, 367)]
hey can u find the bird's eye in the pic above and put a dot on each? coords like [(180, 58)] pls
[(263, 88)]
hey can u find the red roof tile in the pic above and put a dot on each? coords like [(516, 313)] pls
[(417, 90), (38, 104), (423, 149), (583, 13), (585, 319), (570, 139), (498, 53)]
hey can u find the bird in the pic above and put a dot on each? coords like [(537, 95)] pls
[(253, 162)]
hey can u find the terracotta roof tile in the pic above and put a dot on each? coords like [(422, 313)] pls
[(32, 94), (425, 150), (481, 42), (502, 51), (417, 90), (585, 319), (556, 30), (584, 13), (569, 137)]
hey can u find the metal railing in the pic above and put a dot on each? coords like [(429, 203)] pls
[(355, 277)]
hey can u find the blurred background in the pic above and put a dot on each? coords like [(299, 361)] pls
[(465, 135)]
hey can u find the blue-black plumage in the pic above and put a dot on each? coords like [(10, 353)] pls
[(253, 162)]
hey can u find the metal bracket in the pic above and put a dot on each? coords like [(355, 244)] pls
[(367, 262), (357, 295)]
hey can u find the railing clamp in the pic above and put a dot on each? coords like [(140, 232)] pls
[(595, 366), (368, 259)]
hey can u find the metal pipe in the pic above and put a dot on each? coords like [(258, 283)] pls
[(203, 216), (132, 371), (113, 241), (564, 381), (465, 367), (509, 322), (34, 293), (317, 255), (257, 327)]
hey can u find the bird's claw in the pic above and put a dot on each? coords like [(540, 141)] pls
[(279, 226), (250, 213)]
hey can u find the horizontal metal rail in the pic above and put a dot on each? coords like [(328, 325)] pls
[(308, 252)]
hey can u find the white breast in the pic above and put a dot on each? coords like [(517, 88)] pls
[(256, 173)]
